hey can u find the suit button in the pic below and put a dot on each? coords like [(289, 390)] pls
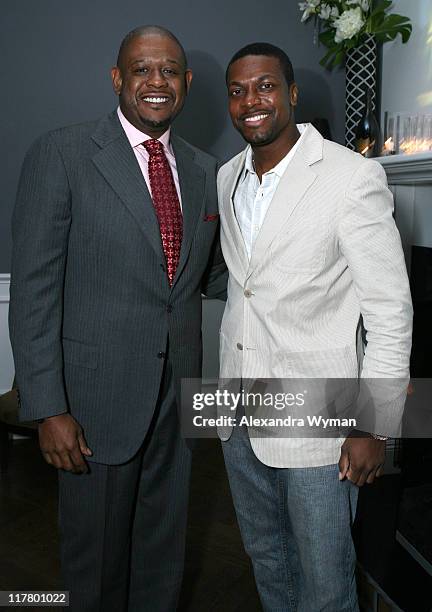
[(161, 355), (247, 293), (169, 308), (239, 346)]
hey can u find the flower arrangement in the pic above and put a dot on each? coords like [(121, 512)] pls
[(348, 22)]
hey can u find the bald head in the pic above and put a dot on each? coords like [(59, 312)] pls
[(151, 79), (149, 30)]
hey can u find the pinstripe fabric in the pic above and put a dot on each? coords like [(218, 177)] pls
[(91, 318), (129, 516), (328, 251), (89, 293)]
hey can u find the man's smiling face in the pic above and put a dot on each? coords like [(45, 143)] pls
[(260, 100), (151, 82)]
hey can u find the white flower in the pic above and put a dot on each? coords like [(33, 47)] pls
[(335, 11), (363, 4), (309, 7), (348, 24), (325, 11)]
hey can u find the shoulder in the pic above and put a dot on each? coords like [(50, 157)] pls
[(349, 164), (332, 151), (76, 130), (62, 137), (72, 132), (201, 157), (338, 154), (230, 167)]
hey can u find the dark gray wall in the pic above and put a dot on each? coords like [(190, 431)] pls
[(56, 56)]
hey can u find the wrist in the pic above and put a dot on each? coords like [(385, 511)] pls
[(48, 418), (379, 437)]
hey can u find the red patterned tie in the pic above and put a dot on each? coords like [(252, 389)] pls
[(166, 203)]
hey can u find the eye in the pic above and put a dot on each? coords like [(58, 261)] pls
[(140, 70), (235, 92), (169, 71), (266, 86)]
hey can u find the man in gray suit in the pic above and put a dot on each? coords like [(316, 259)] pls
[(115, 238)]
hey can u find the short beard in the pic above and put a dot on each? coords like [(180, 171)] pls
[(157, 125), (261, 139)]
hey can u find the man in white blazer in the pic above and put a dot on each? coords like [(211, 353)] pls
[(312, 249)]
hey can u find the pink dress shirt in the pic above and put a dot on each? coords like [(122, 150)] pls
[(136, 138)]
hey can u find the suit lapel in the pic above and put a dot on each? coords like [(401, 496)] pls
[(294, 183), (232, 223), (117, 163), (192, 184)]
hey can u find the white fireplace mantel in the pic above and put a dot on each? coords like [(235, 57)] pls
[(410, 179), (415, 169)]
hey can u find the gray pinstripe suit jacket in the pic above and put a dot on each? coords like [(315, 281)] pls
[(91, 308)]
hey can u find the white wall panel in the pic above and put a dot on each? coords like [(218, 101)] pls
[(6, 360)]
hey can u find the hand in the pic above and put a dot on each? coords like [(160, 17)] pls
[(361, 459), (62, 443)]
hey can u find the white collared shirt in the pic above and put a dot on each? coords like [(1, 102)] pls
[(252, 198)]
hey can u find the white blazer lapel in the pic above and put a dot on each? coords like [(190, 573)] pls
[(231, 219), (294, 183)]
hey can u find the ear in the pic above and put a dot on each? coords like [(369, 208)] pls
[(188, 79), (293, 94), (117, 80)]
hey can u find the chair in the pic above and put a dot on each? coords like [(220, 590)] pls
[(10, 424)]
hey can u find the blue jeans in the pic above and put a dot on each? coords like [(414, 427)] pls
[(296, 528)]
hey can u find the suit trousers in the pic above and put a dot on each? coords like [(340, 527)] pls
[(296, 527), (122, 527)]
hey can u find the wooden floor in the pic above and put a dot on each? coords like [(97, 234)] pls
[(218, 576)]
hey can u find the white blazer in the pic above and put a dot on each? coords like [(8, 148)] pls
[(328, 252)]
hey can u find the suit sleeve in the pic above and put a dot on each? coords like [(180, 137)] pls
[(215, 280), (40, 230), (371, 244)]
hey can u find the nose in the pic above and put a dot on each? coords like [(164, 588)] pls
[(156, 78), (251, 98)]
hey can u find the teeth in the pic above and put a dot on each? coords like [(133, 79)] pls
[(155, 100), (257, 117)]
